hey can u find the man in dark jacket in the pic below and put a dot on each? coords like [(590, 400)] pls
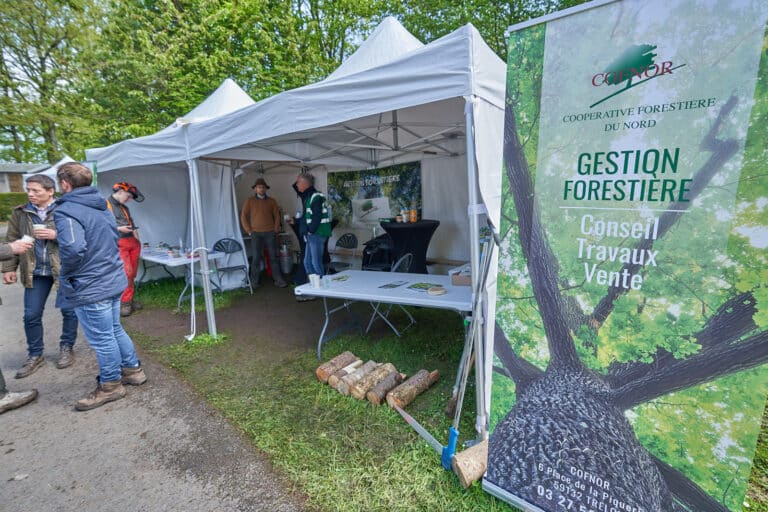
[(91, 281), (318, 223), (9, 399)]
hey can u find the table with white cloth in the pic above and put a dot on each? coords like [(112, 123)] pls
[(166, 261), (383, 288)]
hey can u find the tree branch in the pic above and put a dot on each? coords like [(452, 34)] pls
[(722, 151), (685, 491), (521, 371), (541, 262), (732, 320), (722, 359)]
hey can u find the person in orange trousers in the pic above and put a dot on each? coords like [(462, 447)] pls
[(128, 238)]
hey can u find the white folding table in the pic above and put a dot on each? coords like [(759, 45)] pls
[(166, 261), (379, 288)]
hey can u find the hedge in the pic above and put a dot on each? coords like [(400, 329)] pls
[(8, 201)]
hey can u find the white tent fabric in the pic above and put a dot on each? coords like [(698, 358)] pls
[(441, 104), (388, 42)]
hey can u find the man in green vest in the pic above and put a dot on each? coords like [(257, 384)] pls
[(318, 223)]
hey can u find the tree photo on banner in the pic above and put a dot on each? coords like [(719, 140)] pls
[(632, 311), (359, 199)]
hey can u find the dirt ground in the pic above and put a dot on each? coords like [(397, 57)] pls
[(161, 448)]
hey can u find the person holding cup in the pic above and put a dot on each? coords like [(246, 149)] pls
[(38, 272)]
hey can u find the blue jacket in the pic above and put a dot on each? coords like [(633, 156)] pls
[(91, 268)]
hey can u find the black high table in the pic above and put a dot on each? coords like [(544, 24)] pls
[(414, 238)]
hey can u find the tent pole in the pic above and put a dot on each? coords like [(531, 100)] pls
[(200, 234), (475, 210)]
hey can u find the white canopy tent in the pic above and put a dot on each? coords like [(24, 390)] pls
[(176, 188), (441, 104)]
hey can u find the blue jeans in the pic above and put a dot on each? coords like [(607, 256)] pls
[(102, 328), (34, 305), (313, 254)]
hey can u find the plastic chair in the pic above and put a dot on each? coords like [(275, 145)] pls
[(345, 241), (401, 265), (231, 246)]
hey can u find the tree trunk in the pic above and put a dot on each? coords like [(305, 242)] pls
[(347, 381), (334, 379), (406, 392), (563, 426), (328, 368), (362, 386), (378, 393)]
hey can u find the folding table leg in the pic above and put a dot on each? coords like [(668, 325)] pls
[(376, 313), (325, 326)]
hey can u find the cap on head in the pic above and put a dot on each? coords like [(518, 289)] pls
[(260, 181), (131, 189)]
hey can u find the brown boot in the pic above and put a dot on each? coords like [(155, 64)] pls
[(125, 309), (30, 366), (104, 392), (134, 376), (66, 357), (12, 400)]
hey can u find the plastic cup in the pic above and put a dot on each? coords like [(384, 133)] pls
[(27, 238), (35, 227), (315, 280)]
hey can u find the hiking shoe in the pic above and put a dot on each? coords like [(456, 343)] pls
[(66, 357), (13, 400), (305, 298), (125, 309), (134, 376), (136, 305), (281, 284), (105, 392), (30, 366)]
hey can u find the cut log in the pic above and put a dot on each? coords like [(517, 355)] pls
[(470, 464), (377, 394), (328, 368), (362, 386), (346, 382), (406, 392), (334, 379)]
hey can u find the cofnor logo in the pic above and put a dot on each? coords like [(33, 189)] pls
[(634, 67)]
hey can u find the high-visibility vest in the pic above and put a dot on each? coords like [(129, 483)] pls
[(325, 222)]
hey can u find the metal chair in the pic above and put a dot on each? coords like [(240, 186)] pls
[(401, 265), (345, 241), (231, 246)]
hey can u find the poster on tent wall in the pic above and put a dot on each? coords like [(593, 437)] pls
[(360, 198), (632, 316)]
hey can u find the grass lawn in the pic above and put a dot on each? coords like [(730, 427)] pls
[(341, 453)]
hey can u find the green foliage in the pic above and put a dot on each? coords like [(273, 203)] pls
[(8, 201), (431, 19), (41, 43)]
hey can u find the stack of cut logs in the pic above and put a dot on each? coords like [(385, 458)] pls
[(373, 381)]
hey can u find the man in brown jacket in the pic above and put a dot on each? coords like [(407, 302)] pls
[(260, 218), (38, 272), (9, 399)]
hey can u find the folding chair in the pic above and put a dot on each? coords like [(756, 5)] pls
[(401, 265), (345, 241), (231, 246)]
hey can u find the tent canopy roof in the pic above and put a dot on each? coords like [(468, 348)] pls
[(280, 128), (388, 42)]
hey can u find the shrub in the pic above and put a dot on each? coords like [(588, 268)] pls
[(8, 201)]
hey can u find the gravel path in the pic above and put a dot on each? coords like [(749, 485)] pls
[(159, 449)]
